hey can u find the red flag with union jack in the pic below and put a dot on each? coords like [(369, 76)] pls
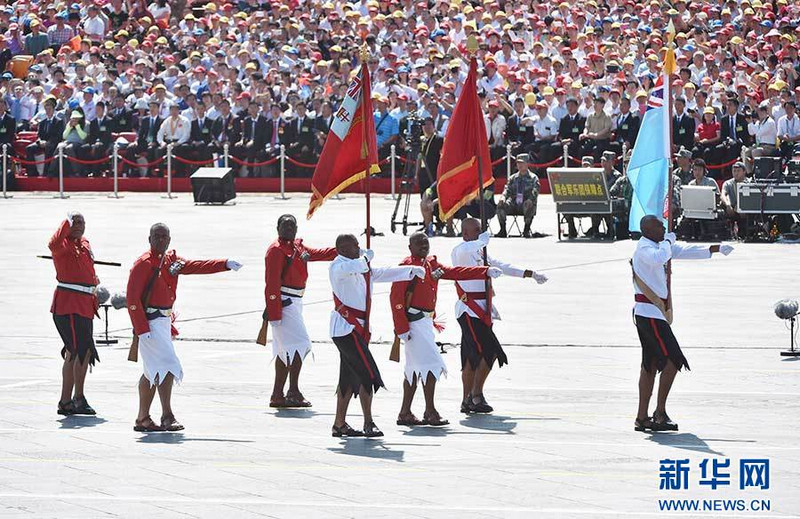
[(351, 150)]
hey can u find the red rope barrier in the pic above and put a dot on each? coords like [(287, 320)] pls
[(721, 166), (301, 164), (384, 161), (145, 165), (193, 162), (88, 162), (546, 164), (267, 162), (498, 161), (401, 159), (33, 162)]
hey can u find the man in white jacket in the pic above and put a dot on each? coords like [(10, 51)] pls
[(653, 315), (479, 345), (351, 280)]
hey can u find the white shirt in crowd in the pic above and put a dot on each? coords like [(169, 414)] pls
[(495, 130), (175, 130), (649, 263), (350, 286), (765, 132), (545, 127), (790, 127)]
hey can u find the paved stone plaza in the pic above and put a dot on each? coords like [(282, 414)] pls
[(560, 443)]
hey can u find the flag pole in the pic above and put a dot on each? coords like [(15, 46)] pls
[(670, 186), (472, 49), (668, 102), (364, 54)]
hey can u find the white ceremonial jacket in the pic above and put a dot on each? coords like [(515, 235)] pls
[(350, 286), (650, 264), (468, 254)]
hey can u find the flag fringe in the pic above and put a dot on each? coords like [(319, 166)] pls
[(317, 199)]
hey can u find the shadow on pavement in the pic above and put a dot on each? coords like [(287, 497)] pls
[(178, 438), (297, 413), (686, 441), (369, 448), (80, 422), (491, 422)]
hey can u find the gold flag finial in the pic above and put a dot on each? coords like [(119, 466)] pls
[(670, 32), (364, 52), (472, 45)]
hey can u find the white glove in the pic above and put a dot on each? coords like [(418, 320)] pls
[(484, 237), (233, 265), (539, 278), (725, 249), (275, 323), (368, 254), (494, 272), (70, 216), (417, 271), (144, 336), (671, 238), (405, 336)]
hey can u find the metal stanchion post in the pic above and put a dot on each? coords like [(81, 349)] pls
[(623, 160), (115, 165), (508, 161), (61, 170), (566, 156), (283, 172), (225, 150), (169, 170), (393, 164), (5, 171)]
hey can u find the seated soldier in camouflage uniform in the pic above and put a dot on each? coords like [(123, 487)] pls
[(519, 197)]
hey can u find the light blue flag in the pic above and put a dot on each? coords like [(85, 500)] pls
[(648, 170)]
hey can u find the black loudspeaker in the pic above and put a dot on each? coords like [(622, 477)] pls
[(767, 168), (213, 185)]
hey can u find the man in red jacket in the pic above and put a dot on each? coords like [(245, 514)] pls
[(156, 272), (73, 308), (286, 275), (413, 310)]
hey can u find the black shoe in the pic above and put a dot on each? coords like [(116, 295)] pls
[(81, 406), (66, 409), (501, 234), (371, 430), (481, 406), (345, 430), (662, 422), (526, 233), (642, 425)]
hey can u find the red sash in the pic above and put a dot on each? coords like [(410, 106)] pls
[(470, 299), (351, 315)]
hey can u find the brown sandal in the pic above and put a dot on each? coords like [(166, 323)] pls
[(147, 425), (170, 424), (409, 420), (296, 400), (434, 420), (278, 402)]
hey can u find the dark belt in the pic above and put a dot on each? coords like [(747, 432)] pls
[(475, 295), (157, 314), (641, 298)]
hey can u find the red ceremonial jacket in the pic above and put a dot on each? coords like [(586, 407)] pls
[(424, 295), (163, 292), (285, 266), (74, 264)]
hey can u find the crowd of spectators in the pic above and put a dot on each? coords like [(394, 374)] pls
[(257, 75)]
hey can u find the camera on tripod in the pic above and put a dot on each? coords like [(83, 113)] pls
[(411, 170)]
